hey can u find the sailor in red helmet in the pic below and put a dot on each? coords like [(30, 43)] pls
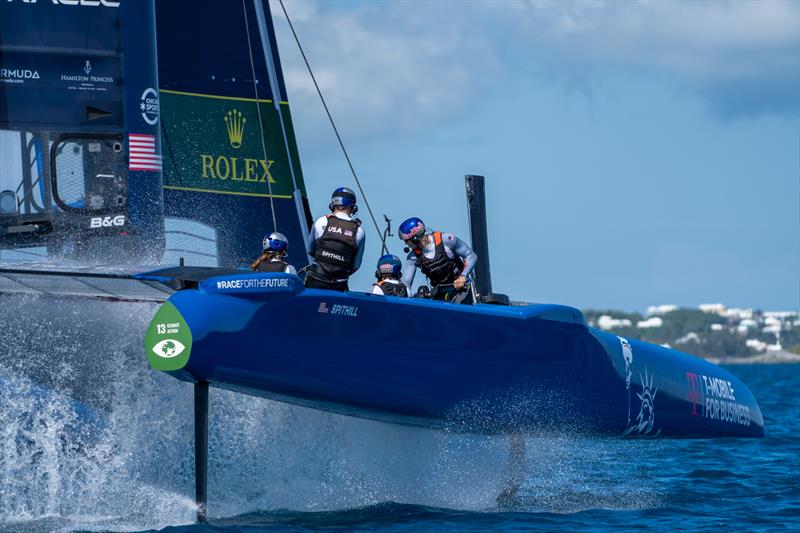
[(445, 259), (336, 244)]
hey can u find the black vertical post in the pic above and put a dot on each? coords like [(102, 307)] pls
[(201, 448), (476, 201)]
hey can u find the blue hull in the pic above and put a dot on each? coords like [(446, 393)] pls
[(480, 368)]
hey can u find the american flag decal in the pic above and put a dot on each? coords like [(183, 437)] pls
[(142, 152)]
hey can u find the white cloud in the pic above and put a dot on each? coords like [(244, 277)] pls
[(728, 51), (384, 67), (394, 67)]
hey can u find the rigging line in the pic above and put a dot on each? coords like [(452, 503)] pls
[(333, 124), (258, 108)]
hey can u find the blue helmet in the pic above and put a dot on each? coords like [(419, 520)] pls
[(275, 242), (343, 197), (389, 265), (412, 229)]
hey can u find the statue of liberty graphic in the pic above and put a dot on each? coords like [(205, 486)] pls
[(627, 355), (644, 422)]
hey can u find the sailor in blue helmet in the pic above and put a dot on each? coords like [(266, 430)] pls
[(272, 259), (445, 259), (388, 275), (336, 244)]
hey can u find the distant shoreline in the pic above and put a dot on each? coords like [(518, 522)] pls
[(769, 358)]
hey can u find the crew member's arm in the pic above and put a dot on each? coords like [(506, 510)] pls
[(290, 269), (377, 290), (361, 241), (461, 249), (409, 270)]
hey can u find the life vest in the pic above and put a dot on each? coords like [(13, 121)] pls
[(272, 266), (337, 248), (440, 268), (393, 289)]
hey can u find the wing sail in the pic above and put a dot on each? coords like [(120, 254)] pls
[(230, 154)]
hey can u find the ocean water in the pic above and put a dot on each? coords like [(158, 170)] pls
[(108, 445)]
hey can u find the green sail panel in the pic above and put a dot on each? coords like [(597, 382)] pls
[(215, 146)]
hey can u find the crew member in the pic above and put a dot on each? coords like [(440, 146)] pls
[(445, 259), (272, 259), (336, 244), (388, 276)]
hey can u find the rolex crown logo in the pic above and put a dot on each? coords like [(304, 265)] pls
[(235, 124)]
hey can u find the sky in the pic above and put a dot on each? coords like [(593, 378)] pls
[(636, 153)]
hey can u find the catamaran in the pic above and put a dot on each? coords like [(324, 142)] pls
[(120, 156)]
